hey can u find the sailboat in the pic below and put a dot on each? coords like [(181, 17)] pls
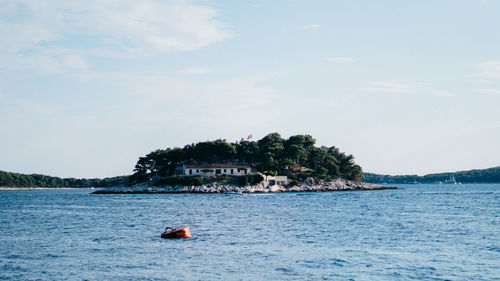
[(451, 180)]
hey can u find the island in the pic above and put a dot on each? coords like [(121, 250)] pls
[(12, 181), (490, 175), (271, 164)]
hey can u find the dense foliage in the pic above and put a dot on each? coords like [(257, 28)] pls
[(179, 180), (272, 154), (491, 175), (249, 179), (35, 180)]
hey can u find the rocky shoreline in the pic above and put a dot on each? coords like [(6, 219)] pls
[(263, 187)]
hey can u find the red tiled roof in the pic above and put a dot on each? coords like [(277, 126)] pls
[(214, 166), (298, 168)]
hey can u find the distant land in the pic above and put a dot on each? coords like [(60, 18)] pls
[(491, 175), (296, 158), (8, 179)]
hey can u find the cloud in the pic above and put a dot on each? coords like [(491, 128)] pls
[(441, 93), (193, 71), (158, 88), (389, 87), (53, 37), (40, 31), (46, 61), (490, 69), (310, 27), (493, 92), (340, 59), (24, 36), (399, 87)]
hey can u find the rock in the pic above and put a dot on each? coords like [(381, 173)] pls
[(307, 186), (274, 188)]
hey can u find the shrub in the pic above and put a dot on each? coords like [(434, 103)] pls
[(179, 180), (250, 179), (270, 173)]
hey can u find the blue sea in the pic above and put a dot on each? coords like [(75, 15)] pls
[(418, 232)]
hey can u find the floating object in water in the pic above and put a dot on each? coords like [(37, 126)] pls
[(181, 232), (234, 193)]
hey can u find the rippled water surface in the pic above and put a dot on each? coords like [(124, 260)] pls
[(417, 232)]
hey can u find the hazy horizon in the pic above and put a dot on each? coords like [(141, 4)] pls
[(436, 172), (86, 88)]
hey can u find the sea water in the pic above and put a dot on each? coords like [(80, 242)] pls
[(423, 232)]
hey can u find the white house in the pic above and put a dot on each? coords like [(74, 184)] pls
[(216, 169), (280, 180)]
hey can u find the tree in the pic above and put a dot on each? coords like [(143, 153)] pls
[(271, 153), (247, 151), (317, 156), (271, 149)]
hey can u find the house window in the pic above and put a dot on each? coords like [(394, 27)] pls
[(224, 170), (190, 171), (197, 170), (217, 171), (232, 171)]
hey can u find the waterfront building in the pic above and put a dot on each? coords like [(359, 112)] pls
[(213, 169)]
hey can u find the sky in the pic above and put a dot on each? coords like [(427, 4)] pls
[(407, 87)]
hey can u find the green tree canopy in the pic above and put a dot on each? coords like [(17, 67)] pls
[(271, 153)]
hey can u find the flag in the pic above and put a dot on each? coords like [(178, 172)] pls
[(249, 137)]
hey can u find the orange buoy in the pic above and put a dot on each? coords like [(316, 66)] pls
[(182, 232)]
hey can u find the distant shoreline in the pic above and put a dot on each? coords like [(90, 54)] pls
[(6, 188), (490, 175)]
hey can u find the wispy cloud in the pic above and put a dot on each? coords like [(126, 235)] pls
[(340, 59), (25, 35), (310, 27), (43, 32), (400, 87), (389, 87), (51, 61), (490, 69), (159, 88), (193, 71), (494, 92), (441, 93)]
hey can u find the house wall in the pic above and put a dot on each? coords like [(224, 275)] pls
[(282, 180), (223, 171)]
